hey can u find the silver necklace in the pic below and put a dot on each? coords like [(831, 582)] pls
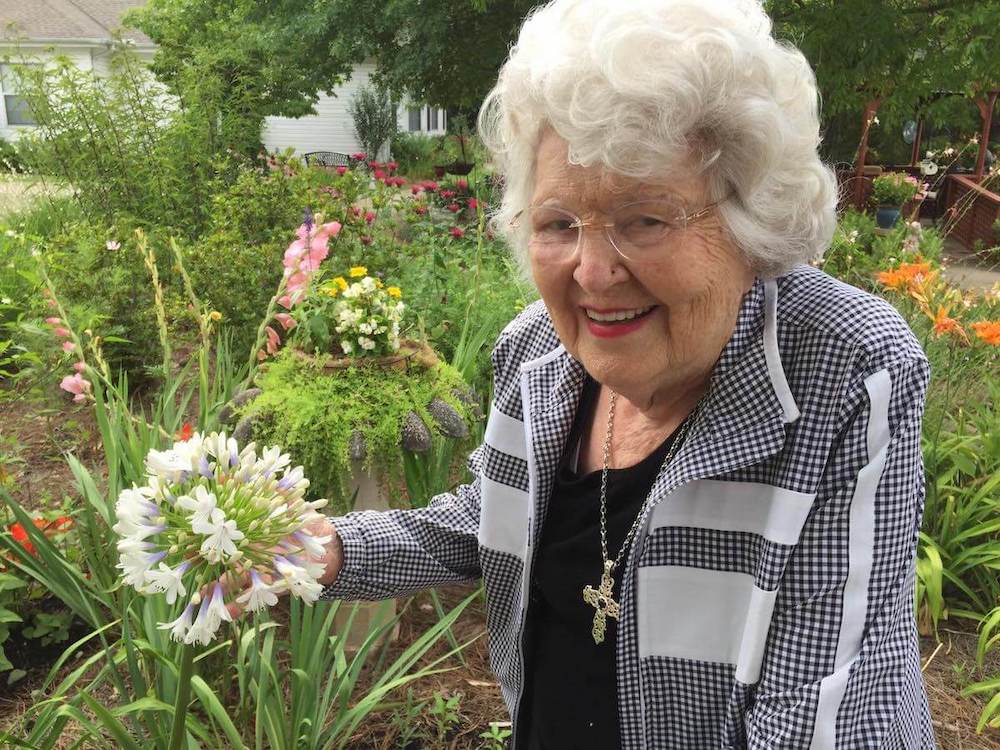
[(601, 598)]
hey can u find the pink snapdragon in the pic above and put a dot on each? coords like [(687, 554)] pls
[(303, 257), (77, 385), (273, 340), (287, 321), (68, 346)]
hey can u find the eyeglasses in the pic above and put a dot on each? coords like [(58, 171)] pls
[(637, 230)]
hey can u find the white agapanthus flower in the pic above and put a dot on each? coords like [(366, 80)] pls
[(210, 509)]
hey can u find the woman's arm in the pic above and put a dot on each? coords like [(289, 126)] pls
[(384, 554), (841, 667)]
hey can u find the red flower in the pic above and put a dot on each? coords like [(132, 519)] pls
[(457, 232), (185, 432), (421, 210), (473, 204), (366, 240), (360, 156), (21, 537), (376, 164), (370, 217), (341, 170), (379, 174), (454, 208), (462, 184), (392, 166), (447, 194), (429, 185), (415, 189), (63, 523)]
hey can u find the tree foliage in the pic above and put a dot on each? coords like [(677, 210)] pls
[(902, 52), (273, 58)]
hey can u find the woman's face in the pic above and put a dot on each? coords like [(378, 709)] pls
[(695, 282)]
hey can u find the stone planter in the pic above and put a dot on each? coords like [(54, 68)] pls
[(369, 496)]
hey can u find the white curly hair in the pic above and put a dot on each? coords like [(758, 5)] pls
[(642, 86)]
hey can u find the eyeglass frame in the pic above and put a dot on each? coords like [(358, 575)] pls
[(580, 224)]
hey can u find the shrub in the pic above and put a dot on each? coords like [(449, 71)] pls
[(126, 145), (10, 160), (414, 152), (893, 189), (374, 118)]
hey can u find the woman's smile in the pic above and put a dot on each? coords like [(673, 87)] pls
[(619, 322)]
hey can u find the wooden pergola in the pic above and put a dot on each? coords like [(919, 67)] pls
[(986, 104)]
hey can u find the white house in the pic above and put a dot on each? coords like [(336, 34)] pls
[(82, 30)]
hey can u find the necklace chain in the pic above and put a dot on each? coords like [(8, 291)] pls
[(602, 598), (681, 434)]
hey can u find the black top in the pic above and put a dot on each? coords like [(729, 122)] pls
[(570, 692)]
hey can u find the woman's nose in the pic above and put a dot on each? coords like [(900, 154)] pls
[(598, 264)]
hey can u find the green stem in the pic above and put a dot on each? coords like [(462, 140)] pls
[(178, 731)]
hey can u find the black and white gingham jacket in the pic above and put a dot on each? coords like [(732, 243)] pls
[(767, 601)]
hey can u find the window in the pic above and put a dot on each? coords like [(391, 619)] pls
[(414, 119), (444, 119), (15, 106), (432, 122)]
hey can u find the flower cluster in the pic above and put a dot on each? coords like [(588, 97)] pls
[(366, 314), (895, 189), (936, 301), (76, 384), (210, 509)]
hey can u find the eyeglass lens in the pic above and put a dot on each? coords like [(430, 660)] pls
[(638, 228)]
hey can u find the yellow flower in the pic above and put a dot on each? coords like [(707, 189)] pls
[(379, 284), (341, 282), (215, 315), (358, 271), (395, 291)]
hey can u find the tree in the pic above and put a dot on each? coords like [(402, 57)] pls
[(258, 59), (899, 52)]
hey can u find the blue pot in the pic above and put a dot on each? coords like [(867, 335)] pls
[(887, 216)]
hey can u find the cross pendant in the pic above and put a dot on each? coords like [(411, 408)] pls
[(600, 599)]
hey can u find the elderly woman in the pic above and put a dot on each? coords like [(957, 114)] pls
[(696, 505)]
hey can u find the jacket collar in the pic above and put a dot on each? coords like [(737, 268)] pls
[(748, 407)]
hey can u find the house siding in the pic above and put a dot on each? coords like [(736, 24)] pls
[(331, 128)]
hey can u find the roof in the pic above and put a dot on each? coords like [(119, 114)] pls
[(43, 20)]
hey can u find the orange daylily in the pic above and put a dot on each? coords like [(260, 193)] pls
[(988, 331), (905, 275), (944, 324)]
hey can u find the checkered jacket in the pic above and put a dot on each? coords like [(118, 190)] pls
[(767, 600)]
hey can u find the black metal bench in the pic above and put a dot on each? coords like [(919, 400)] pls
[(328, 159)]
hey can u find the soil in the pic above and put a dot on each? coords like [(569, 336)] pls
[(34, 439)]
